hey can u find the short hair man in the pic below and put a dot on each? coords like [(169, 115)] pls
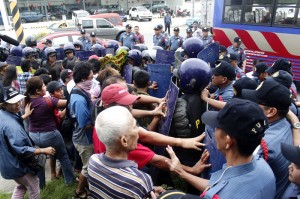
[(239, 51), (274, 99), (292, 154), (140, 37), (240, 126), (111, 174)]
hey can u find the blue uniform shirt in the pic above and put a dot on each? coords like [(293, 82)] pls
[(293, 191), (84, 41), (160, 40), (239, 72), (89, 45), (175, 42), (207, 40), (128, 40), (240, 52), (278, 132), (253, 180)]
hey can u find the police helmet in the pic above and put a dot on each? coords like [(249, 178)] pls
[(77, 44), (3, 53), (150, 55), (112, 44), (157, 48), (28, 51), (30, 41), (96, 47), (192, 46), (69, 47), (50, 51), (194, 75), (16, 51), (136, 56), (123, 47), (140, 47)]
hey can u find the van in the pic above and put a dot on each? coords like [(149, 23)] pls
[(79, 14), (103, 28), (113, 18)]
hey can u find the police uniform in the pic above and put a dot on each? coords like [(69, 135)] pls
[(207, 40), (175, 42), (241, 55), (84, 41), (160, 40), (253, 180), (128, 40), (293, 191)]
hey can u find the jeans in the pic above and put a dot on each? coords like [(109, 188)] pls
[(167, 27), (55, 140)]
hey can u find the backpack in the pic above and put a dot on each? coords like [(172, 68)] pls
[(68, 123)]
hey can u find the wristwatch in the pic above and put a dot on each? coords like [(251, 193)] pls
[(296, 125)]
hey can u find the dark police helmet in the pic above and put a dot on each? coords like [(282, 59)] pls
[(136, 56), (112, 44), (194, 75), (50, 51), (16, 51), (30, 41), (192, 46)]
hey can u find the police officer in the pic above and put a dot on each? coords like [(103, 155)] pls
[(128, 38), (176, 40), (189, 33), (69, 61), (31, 54), (159, 39), (78, 45), (259, 72), (241, 55), (206, 38), (92, 41), (51, 64), (84, 39), (222, 50), (48, 43), (233, 61)]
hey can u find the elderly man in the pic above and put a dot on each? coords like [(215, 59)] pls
[(111, 174)]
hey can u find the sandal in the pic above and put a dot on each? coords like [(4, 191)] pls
[(81, 195)]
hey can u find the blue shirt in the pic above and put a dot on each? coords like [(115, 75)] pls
[(128, 40), (278, 132), (175, 42), (80, 109), (253, 180), (89, 45), (12, 129), (293, 191), (22, 79), (160, 40), (84, 41), (224, 94), (240, 52), (168, 19), (239, 72), (207, 40)]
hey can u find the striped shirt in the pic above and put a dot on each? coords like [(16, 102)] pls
[(109, 178)]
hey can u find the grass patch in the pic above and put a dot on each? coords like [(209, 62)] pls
[(55, 189)]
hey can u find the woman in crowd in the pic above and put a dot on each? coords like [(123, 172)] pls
[(10, 77), (42, 125), (15, 140)]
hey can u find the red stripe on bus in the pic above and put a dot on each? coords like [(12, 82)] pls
[(247, 39), (221, 37), (276, 44)]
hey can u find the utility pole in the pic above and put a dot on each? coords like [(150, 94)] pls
[(193, 8)]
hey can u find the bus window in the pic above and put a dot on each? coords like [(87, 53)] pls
[(233, 11), (287, 13)]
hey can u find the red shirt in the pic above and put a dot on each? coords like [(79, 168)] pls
[(140, 37), (141, 155)]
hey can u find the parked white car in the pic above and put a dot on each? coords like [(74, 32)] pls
[(139, 13)]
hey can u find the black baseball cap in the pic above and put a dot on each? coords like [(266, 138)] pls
[(66, 73), (280, 64), (47, 41), (128, 26), (157, 27), (176, 29), (222, 58), (269, 93), (225, 69), (189, 30), (243, 83), (222, 49), (93, 34), (54, 86), (283, 78), (11, 95), (232, 56), (239, 118), (82, 31), (259, 68), (291, 153), (205, 29), (237, 39)]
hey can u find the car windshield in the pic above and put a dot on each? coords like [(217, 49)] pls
[(142, 9)]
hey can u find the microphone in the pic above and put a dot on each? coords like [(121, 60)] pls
[(9, 40)]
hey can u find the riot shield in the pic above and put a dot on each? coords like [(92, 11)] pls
[(84, 55), (109, 51), (13, 60), (160, 73), (165, 57), (210, 54), (127, 74), (60, 54)]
